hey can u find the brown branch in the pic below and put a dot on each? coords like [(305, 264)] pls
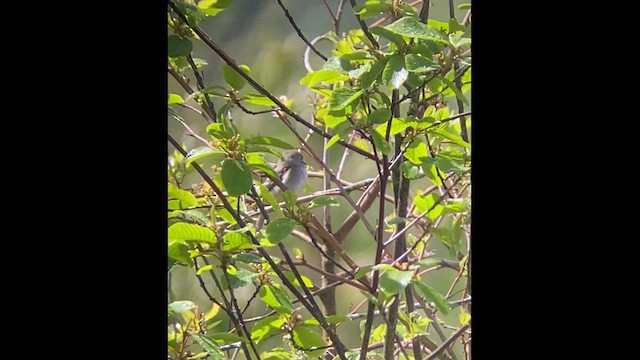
[(448, 342), (364, 27)]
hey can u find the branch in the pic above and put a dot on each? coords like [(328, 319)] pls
[(209, 42), (293, 23), (364, 27), (340, 349), (448, 342)]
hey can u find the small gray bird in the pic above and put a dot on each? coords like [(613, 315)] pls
[(292, 171)]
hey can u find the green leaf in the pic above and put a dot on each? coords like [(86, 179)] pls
[(428, 262), (219, 130), (175, 99), (434, 296), (419, 63), (324, 75), (381, 144), (398, 125), (331, 118), (341, 132), (445, 164), (453, 137), (271, 141), (417, 150), (208, 345), (372, 8), (392, 282), (411, 27), (248, 258), (233, 78), (455, 90), (201, 153), (177, 46), (308, 339), (204, 268), (276, 298), (258, 100), (234, 241), (387, 34), (185, 198), (395, 72), (323, 200), (181, 232), (266, 327), (182, 306), (344, 96), (464, 317), (236, 177), (179, 252), (279, 229), (379, 116), (368, 78), (292, 278), (427, 202), (362, 271), (411, 171), (241, 278), (464, 6), (269, 198), (225, 338)]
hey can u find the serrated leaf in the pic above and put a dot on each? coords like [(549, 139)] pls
[(430, 294), (208, 345), (308, 339), (177, 46), (181, 232), (175, 99), (266, 327), (412, 27), (236, 177), (323, 200), (379, 116), (395, 72), (182, 306), (344, 96), (368, 78), (201, 153), (394, 281), (279, 229), (381, 144), (276, 298), (266, 140), (258, 100), (419, 63), (233, 78)]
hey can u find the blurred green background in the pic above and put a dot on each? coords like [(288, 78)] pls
[(257, 33)]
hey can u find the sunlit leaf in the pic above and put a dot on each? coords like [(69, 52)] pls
[(394, 281), (180, 232), (233, 78), (344, 96), (395, 72), (236, 177), (430, 294)]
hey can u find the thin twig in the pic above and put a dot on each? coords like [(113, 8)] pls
[(448, 342), (231, 62), (293, 23)]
